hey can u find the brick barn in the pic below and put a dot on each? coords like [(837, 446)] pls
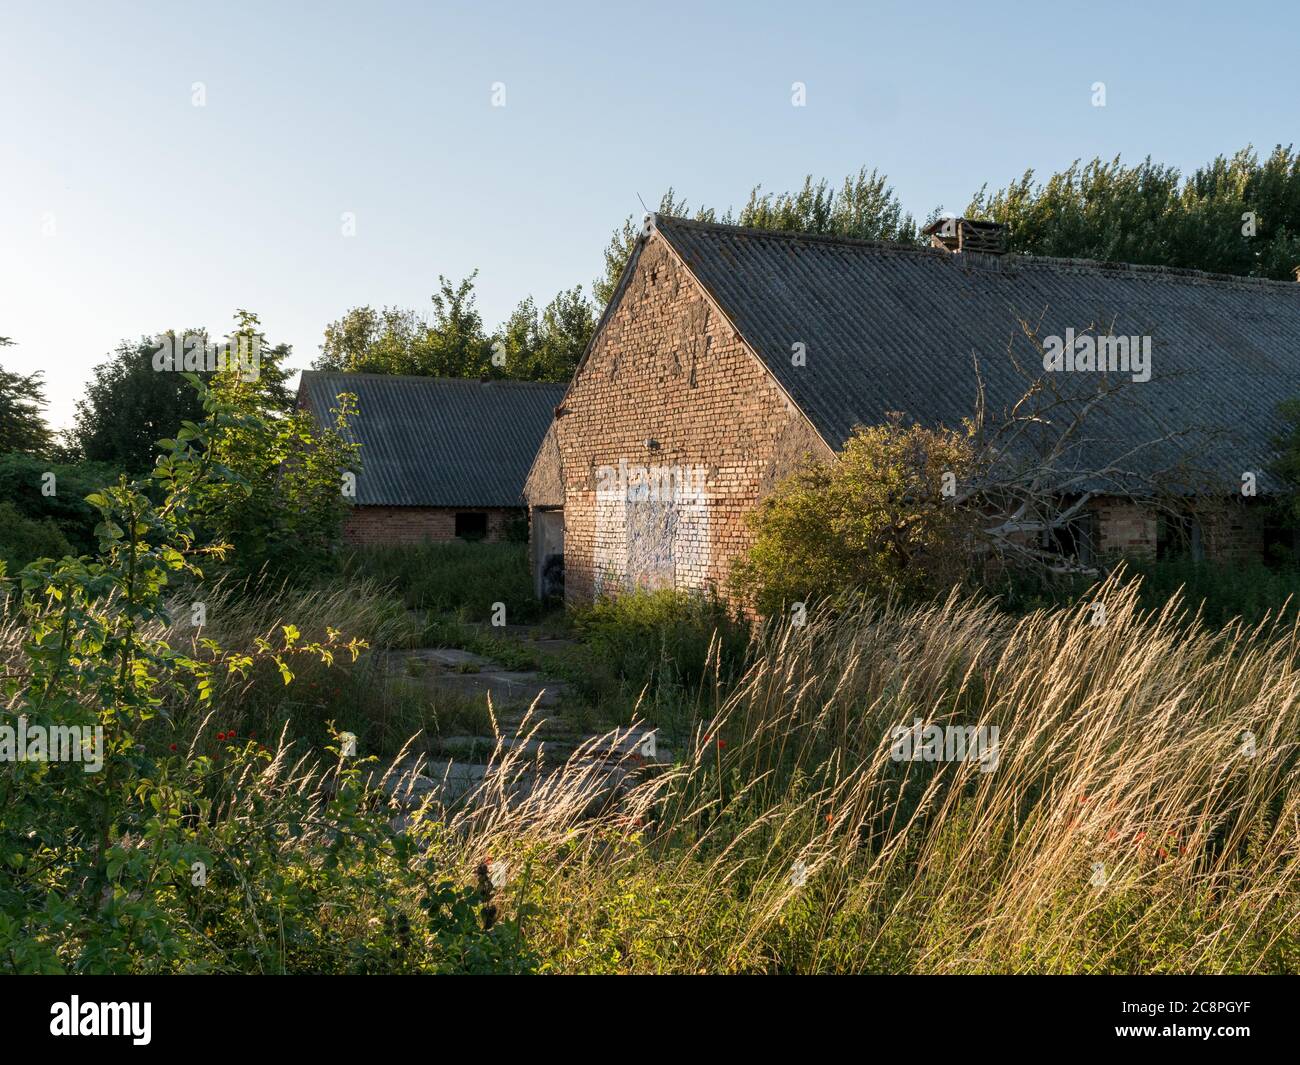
[(441, 458), (727, 354)]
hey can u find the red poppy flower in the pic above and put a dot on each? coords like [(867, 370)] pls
[(721, 744), (173, 746), (230, 735), (221, 736)]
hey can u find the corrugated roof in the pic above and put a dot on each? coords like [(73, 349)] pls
[(438, 441), (893, 328)]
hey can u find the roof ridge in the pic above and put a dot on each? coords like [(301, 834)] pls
[(794, 234), (1102, 266), (1098, 266), (439, 380)]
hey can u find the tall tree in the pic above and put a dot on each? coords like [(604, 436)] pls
[(623, 240), (139, 395), (547, 346), (529, 345), (22, 426), (1236, 215), (450, 344), (864, 206)]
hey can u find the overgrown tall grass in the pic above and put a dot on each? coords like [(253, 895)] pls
[(1143, 815), (464, 579), (1219, 591)]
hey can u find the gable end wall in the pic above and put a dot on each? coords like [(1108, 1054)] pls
[(668, 367)]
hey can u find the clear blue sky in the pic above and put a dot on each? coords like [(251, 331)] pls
[(167, 215)]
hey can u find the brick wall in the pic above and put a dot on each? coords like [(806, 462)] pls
[(667, 369), (414, 525), (1228, 531), (1232, 531), (1125, 528)]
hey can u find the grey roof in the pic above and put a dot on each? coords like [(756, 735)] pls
[(439, 441), (893, 328)]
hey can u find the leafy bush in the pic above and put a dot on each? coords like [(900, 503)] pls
[(280, 501), (237, 615), (22, 478), (223, 856), (23, 540), (875, 520)]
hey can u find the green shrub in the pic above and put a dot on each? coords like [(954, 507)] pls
[(1221, 591), (874, 519), (464, 579), (670, 641), (280, 503), (220, 854), (22, 478), (23, 540)]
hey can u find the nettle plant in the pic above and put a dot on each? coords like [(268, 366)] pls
[(245, 859)]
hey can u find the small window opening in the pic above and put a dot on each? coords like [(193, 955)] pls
[(471, 525)]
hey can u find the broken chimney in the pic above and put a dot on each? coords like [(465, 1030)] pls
[(967, 235)]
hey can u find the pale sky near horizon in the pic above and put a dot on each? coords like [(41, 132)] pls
[(126, 210)]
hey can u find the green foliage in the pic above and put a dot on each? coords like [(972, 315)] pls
[(280, 499), (22, 427), (220, 858), (1286, 464), (548, 347), (665, 639), (454, 343), (23, 539), (1220, 591), (464, 579), (392, 341), (1149, 214), (864, 207), (130, 405), (874, 520), (22, 478)]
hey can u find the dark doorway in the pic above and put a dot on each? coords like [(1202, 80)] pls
[(471, 525)]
